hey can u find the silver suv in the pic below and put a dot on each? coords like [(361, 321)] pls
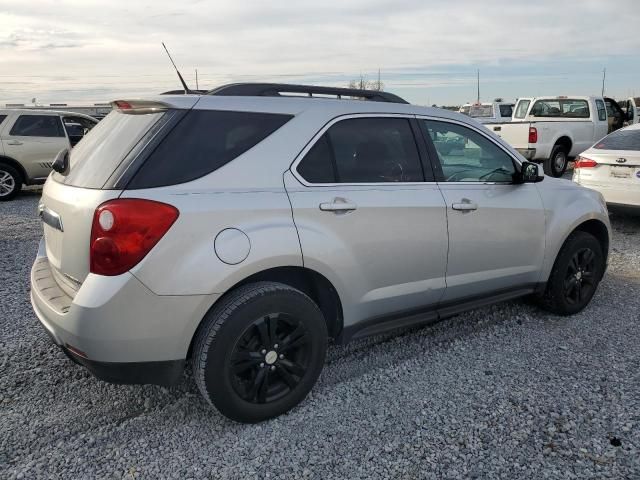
[(247, 228), (30, 139)]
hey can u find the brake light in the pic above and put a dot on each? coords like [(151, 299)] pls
[(533, 135), (122, 105), (583, 162), (124, 231)]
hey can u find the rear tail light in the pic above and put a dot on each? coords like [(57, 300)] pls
[(533, 135), (124, 231), (582, 162)]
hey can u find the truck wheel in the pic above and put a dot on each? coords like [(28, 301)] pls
[(556, 164), (576, 274), (10, 182), (260, 351)]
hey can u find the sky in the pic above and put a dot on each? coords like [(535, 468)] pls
[(426, 51)]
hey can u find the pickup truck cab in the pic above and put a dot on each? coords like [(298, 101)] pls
[(552, 130), (490, 112), (29, 142)]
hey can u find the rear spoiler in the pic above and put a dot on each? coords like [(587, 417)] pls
[(139, 106)]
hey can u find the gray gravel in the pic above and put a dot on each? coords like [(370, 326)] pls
[(502, 392)]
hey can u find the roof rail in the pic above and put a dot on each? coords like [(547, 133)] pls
[(282, 89)]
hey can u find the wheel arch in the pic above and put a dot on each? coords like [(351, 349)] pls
[(313, 284), (15, 164), (565, 141)]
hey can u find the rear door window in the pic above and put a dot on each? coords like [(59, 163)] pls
[(202, 142), (364, 150), (37, 126)]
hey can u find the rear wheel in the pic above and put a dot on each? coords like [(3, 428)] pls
[(10, 182), (259, 352), (557, 162), (575, 276)]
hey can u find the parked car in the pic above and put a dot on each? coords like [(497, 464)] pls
[(553, 130), (631, 108), (493, 112), (29, 142), (612, 167), (244, 229)]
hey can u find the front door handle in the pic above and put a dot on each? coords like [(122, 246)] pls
[(338, 205), (465, 206), (14, 142)]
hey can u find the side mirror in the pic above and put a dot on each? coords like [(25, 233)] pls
[(61, 163), (529, 173)]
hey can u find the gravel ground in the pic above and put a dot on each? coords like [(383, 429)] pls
[(501, 392)]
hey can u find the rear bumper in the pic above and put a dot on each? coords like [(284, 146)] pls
[(528, 153), (116, 327), (616, 196)]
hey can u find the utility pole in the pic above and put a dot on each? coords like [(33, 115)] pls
[(197, 86), (604, 75), (378, 81), (478, 101)]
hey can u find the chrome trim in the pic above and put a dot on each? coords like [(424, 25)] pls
[(50, 217)]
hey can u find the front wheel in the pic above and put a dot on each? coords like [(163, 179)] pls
[(576, 274), (260, 351), (557, 163)]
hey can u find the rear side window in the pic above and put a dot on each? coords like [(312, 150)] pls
[(626, 139), (521, 109), (37, 126), (506, 110), (481, 111), (202, 142), (364, 150)]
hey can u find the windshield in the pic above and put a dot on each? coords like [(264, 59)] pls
[(100, 152), (481, 111)]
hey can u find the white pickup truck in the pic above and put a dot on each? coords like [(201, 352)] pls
[(631, 108), (490, 112), (554, 129)]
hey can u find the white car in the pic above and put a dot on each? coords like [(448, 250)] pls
[(612, 167)]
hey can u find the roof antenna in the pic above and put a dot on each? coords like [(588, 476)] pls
[(187, 90)]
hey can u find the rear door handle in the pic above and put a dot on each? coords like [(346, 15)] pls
[(465, 206), (14, 142), (339, 205)]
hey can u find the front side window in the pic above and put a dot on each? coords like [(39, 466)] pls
[(37, 126), (467, 156), (602, 112), (521, 109), (364, 150)]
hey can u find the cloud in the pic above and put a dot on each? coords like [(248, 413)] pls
[(117, 45)]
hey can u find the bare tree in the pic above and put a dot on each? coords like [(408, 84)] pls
[(362, 83)]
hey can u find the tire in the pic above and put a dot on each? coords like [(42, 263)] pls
[(245, 370), (570, 272), (10, 182), (557, 163)]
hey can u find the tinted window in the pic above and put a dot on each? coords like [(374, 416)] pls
[(627, 139), (467, 156), (521, 110), (368, 150), (37, 126), (602, 112), (506, 110), (317, 165), (569, 108), (202, 142), (2, 117)]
